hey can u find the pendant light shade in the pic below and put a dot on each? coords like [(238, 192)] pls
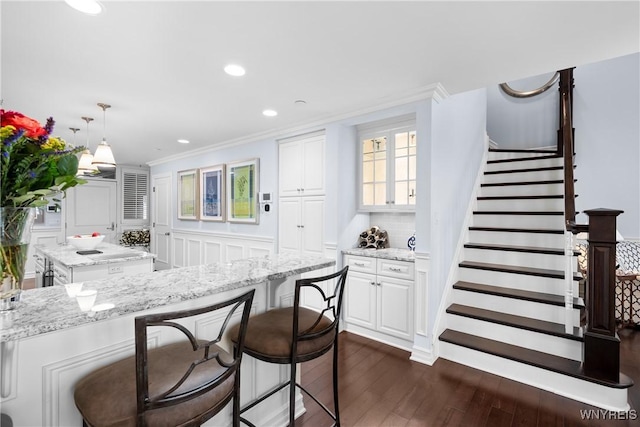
[(103, 158), (85, 165)]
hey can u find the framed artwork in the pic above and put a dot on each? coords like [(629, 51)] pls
[(212, 193), (188, 194), (242, 191)]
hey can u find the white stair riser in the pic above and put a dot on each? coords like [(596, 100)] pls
[(515, 281), (551, 222), (523, 190), (542, 240), (531, 309), (524, 176), (552, 262), (528, 164), (573, 388), (497, 155), (521, 337), (521, 205)]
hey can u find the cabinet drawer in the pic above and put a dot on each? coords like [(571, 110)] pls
[(62, 274), (398, 269), (359, 263)]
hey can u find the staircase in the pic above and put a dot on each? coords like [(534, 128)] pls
[(507, 308)]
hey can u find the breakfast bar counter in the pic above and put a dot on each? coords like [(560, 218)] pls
[(51, 343)]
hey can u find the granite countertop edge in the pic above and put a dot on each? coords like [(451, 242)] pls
[(396, 254), (66, 255), (50, 309)]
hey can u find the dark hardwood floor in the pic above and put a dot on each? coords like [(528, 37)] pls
[(380, 386)]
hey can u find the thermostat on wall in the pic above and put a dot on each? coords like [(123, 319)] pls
[(265, 197)]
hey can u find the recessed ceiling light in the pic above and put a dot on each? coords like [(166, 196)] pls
[(234, 70), (90, 7), (183, 141), (270, 113)]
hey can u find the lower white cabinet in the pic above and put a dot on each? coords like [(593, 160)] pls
[(301, 225), (379, 299)]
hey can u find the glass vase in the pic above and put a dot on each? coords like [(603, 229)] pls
[(15, 235)]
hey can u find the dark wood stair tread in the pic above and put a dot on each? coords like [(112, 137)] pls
[(518, 230), (522, 150), (511, 248), (523, 159), (530, 357), (545, 169), (528, 197), (549, 213), (529, 271), (519, 294), (506, 184), (520, 322)]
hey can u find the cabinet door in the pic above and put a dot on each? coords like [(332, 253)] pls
[(289, 222), (312, 225), (360, 300), (395, 307), (313, 166), (290, 168)]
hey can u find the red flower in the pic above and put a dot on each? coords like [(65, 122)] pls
[(32, 128)]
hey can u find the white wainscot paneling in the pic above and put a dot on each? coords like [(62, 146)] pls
[(198, 247), (178, 251)]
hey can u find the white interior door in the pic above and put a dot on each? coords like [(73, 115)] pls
[(161, 220), (92, 207)]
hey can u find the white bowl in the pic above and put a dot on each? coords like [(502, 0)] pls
[(85, 242)]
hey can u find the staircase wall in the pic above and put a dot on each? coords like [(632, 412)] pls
[(457, 150)]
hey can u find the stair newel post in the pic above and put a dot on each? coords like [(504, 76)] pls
[(568, 280), (601, 351)]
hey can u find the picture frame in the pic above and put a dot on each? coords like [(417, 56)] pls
[(242, 191), (212, 193), (188, 194)]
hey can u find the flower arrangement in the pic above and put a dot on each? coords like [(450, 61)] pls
[(33, 166)]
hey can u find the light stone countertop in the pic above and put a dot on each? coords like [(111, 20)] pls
[(49, 309), (67, 256), (388, 253)]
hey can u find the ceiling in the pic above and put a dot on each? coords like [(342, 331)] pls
[(160, 64)]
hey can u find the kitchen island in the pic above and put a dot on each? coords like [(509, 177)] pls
[(58, 265), (52, 343)]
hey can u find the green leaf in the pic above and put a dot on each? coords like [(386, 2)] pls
[(68, 165)]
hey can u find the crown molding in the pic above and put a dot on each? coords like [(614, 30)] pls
[(435, 92)]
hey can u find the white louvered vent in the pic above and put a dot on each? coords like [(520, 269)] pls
[(135, 195)]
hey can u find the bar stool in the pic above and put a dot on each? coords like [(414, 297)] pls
[(297, 334), (180, 384)]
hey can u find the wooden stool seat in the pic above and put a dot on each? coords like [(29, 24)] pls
[(182, 383), (270, 335), (297, 334), (107, 396)]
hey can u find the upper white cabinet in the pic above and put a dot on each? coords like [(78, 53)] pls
[(387, 165), (302, 166)]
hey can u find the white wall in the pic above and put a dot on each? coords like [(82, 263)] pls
[(265, 150), (457, 149), (607, 122), (607, 125)]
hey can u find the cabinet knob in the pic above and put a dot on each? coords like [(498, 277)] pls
[(372, 283), (167, 234), (379, 284)]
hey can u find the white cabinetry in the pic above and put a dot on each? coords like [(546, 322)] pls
[(35, 263), (379, 299), (301, 167), (301, 225)]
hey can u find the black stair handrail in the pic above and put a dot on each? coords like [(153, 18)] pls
[(566, 148)]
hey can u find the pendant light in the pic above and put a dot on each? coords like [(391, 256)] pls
[(84, 165), (104, 157)]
